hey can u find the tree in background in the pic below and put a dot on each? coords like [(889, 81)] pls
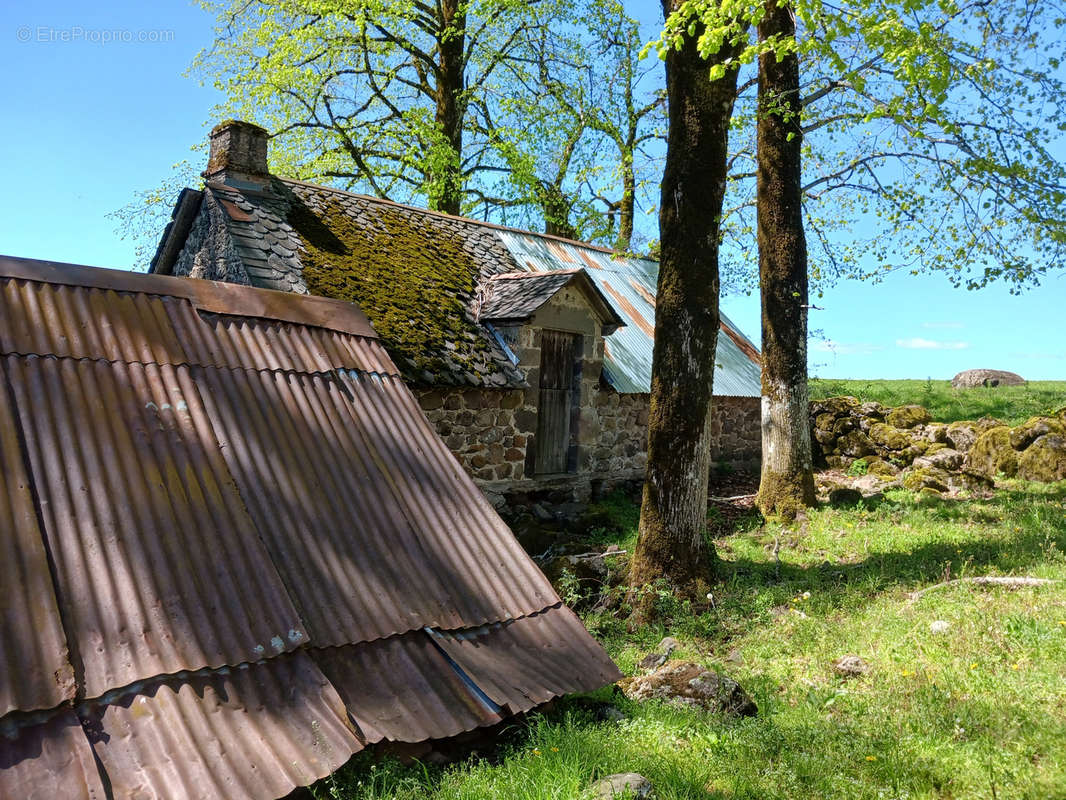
[(672, 541), (787, 480)]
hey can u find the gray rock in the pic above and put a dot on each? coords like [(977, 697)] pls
[(687, 683), (627, 785), (851, 667), (948, 458), (972, 378)]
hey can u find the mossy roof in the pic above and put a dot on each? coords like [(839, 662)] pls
[(420, 277)]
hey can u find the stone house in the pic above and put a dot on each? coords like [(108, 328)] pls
[(530, 354)]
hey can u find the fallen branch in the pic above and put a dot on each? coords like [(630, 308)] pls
[(1007, 581), (730, 499)]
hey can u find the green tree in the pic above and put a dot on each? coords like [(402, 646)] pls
[(374, 94)]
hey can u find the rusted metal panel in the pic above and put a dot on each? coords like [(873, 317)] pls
[(50, 760), (526, 662), (238, 342), (371, 522), (631, 284), (75, 322), (404, 689), (210, 296), (158, 564), (35, 672), (242, 734)]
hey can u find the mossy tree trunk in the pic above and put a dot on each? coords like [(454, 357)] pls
[(450, 111), (672, 541), (787, 481)]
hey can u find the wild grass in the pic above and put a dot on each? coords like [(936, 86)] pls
[(1011, 404), (976, 711)]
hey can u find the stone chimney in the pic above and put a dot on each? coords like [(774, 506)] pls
[(238, 154)]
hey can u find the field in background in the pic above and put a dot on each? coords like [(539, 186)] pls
[(1011, 404)]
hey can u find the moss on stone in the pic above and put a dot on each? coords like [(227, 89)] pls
[(1044, 459), (992, 454), (408, 277), (921, 478), (889, 437), (906, 417), (1032, 429)]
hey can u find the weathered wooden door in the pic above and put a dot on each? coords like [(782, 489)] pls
[(558, 353)]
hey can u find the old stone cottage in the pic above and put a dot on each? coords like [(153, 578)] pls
[(530, 354)]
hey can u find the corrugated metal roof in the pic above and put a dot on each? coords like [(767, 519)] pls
[(404, 689), (526, 662), (257, 731), (631, 283), (173, 577), (49, 760), (399, 539), (34, 670), (168, 520)]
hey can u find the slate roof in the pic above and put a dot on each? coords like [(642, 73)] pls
[(419, 275), (234, 552), (516, 296)]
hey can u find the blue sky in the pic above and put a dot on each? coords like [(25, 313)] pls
[(97, 108)]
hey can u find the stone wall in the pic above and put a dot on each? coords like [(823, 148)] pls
[(491, 433)]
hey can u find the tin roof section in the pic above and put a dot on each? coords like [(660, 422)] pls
[(630, 284), (251, 495)]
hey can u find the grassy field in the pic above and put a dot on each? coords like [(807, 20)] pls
[(1012, 404), (977, 711)]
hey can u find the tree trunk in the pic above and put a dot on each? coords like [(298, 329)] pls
[(672, 541), (451, 43), (787, 481)]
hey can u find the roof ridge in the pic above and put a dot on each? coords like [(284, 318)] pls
[(432, 212)]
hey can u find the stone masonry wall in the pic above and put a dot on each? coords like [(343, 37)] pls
[(490, 431)]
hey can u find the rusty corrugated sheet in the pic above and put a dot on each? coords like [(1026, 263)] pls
[(524, 663), (75, 322), (50, 760), (207, 296), (34, 670), (193, 666), (240, 734), (631, 284), (172, 576), (398, 538), (404, 689)]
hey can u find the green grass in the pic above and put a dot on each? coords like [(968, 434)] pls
[(976, 712), (1012, 404)]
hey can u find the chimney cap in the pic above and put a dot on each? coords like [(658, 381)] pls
[(238, 151)]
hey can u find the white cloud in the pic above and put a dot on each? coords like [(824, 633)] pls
[(943, 325), (918, 343), (846, 348)]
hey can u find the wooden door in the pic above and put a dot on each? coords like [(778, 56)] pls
[(558, 356)]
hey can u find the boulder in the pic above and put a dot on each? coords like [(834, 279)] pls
[(888, 436), (844, 496), (1033, 428), (973, 378), (1044, 459), (627, 785), (918, 478), (961, 435), (690, 684), (992, 454), (941, 458), (906, 417)]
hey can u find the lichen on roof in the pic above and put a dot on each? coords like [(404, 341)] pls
[(413, 279)]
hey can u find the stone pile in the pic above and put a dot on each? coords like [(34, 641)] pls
[(903, 446)]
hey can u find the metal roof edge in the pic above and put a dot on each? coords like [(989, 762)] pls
[(210, 296)]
